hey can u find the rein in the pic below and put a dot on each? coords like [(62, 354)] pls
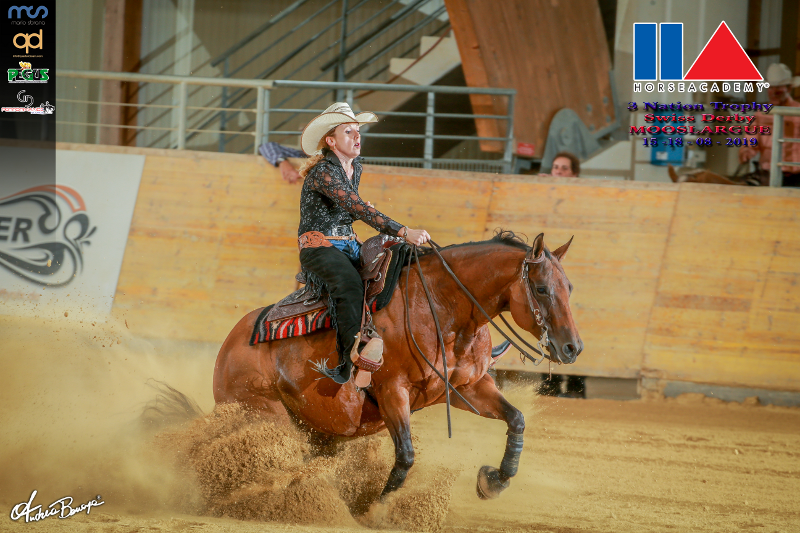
[(532, 304), (534, 308), (444, 377)]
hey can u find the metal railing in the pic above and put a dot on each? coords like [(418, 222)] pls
[(349, 41), (181, 126), (775, 164)]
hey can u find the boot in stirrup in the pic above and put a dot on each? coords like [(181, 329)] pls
[(368, 359)]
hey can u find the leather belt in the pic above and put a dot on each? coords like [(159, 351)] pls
[(316, 239)]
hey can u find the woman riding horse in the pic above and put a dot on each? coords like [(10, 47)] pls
[(468, 285), (329, 249)]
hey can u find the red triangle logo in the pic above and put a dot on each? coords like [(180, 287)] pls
[(723, 59)]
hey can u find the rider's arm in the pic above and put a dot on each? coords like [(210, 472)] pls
[(275, 153), (345, 197)]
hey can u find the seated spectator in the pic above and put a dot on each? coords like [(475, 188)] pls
[(278, 156), (565, 165), (779, 93)]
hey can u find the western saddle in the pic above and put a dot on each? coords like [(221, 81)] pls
[(375, 259)]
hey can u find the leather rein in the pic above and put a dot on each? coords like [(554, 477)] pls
[(532, 304)]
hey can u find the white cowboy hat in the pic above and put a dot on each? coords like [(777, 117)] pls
[(779, 74), (338, 113)]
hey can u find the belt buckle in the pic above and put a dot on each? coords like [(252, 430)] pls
[(340, 231)]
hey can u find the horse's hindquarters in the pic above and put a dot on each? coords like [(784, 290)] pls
[(275, 376)]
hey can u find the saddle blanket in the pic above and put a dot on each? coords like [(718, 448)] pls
[(295, 326), (319, 318)]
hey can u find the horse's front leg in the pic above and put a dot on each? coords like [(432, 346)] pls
[(485, 397), (396, 414)]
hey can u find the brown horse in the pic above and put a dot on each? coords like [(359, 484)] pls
[(277, 378)]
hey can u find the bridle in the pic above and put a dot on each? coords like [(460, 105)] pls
[(533, 306), (535, 310)]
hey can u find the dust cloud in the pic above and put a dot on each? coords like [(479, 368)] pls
[(71, 392), (71, 397)]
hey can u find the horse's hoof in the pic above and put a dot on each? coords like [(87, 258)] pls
[(489, 485)]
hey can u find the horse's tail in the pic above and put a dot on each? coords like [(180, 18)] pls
[(170, 407)]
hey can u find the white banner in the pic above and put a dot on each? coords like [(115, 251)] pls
[(62, 244)]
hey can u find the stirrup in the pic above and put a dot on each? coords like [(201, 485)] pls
[(368, 361)]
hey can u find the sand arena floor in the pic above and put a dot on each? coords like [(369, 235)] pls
[(70, 393)]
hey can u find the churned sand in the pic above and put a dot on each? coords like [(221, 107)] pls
[(71, 392)]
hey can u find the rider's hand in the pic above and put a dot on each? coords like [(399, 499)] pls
[(290, 175), (417, 236)]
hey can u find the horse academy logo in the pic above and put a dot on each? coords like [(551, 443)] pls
[(43, 231), (658, 57)]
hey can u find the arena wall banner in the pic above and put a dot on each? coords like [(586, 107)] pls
[(62, 243)]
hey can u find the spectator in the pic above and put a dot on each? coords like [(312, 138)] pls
[(779, 93), (566, 165), (278, 156)]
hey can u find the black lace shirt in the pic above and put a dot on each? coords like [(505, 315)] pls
[(329, 201)]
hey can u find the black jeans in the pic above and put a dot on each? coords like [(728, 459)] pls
[(345, 287)]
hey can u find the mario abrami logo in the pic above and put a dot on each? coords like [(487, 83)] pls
[(722, 64)]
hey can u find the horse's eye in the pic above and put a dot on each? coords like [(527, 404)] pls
[(541, 290)]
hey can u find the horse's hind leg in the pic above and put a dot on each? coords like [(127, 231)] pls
[(485, 397), (396, 414)]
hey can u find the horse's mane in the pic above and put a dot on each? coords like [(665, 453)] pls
[(501, 236)]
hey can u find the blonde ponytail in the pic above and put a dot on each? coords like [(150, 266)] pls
[(310, 163), (319, 155)]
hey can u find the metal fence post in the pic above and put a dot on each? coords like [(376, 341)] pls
[(349, 97), (508, 154), (340, 76), (776, 171), (223, 103), (429, 132), (266, 115), (183, 96), (259, 121)]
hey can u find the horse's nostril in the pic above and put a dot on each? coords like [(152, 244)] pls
[(569, 350)]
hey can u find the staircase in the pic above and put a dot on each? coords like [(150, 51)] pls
[(405, 42), (437, 55), (358, 44)]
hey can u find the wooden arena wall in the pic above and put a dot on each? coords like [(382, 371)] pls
[(685, 282)]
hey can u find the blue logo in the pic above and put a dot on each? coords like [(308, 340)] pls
[(27, 9)]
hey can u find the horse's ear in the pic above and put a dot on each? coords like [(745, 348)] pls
[(538, 248), (562, 250)]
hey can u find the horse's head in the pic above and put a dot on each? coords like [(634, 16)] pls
[(547, 289)]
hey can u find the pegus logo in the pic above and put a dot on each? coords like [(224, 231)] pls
[(26, 74), (27, 9), (658, 57), (43, 231)]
